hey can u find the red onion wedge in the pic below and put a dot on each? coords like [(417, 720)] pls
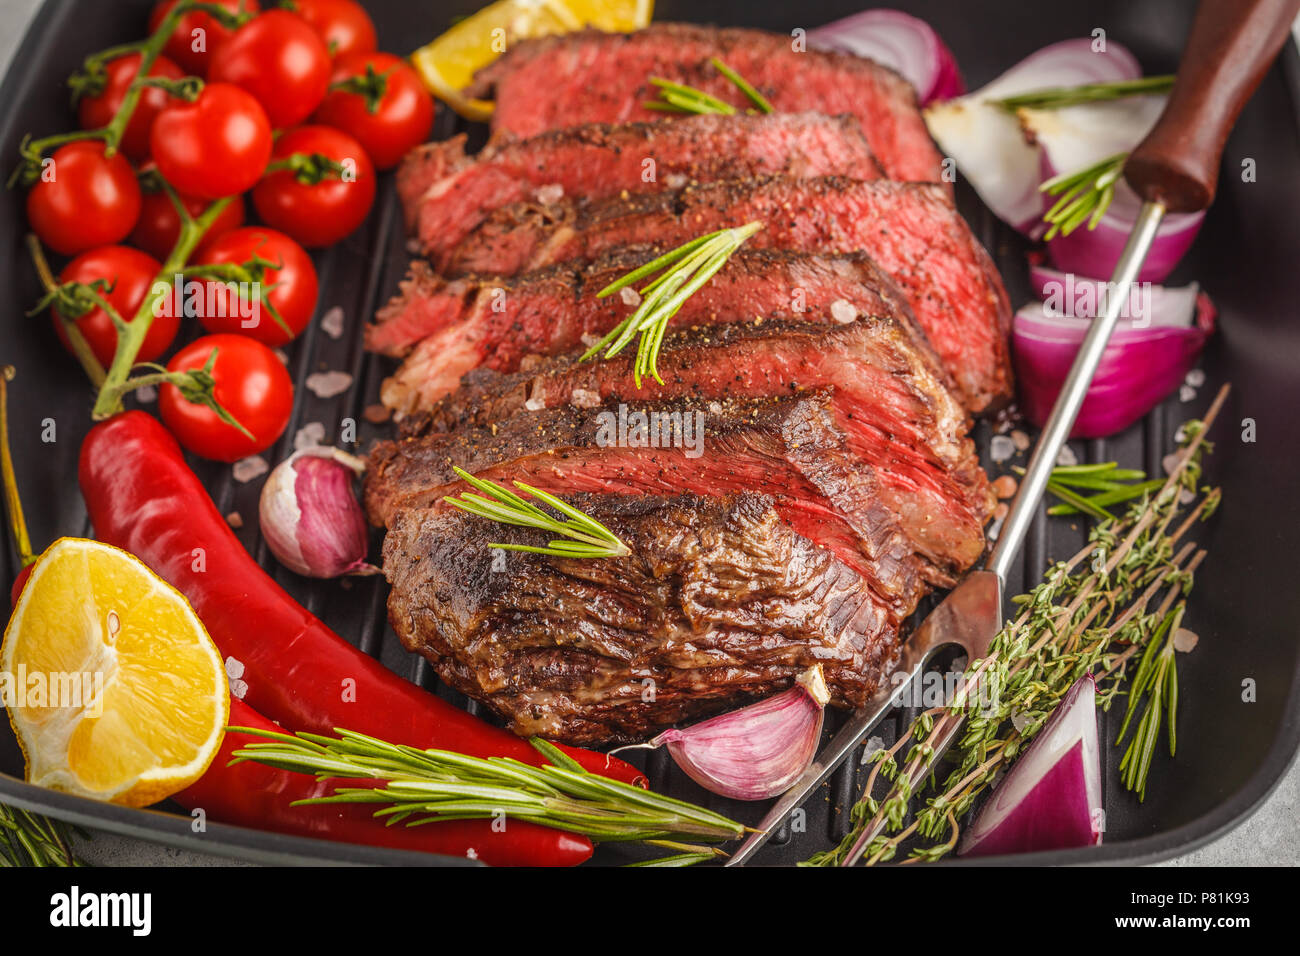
[(1051, 799), (987, 142), (1076, 137), (902, 42), (1149, 355), (757, 751)]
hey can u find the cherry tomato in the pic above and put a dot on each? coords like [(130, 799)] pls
[(84, 199), (128, 275), (214, 147), (403, 109), (94, 112), (188, 47), (322, 213), (344, 25), (281, 60), (159, 226), (293, 286), (251, 384)]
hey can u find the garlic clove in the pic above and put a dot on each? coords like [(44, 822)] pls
[(311, 519), (758, 751)]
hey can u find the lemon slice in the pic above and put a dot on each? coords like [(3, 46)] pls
[(449, 63), (115, 690)]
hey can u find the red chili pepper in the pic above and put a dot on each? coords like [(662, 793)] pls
[(142, 497), (255, 795)]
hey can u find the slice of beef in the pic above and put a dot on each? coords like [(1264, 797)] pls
[(788, 448), (594, 77), (720, 602), (600, 161), (888, 399), (912, 230), (498, 321)]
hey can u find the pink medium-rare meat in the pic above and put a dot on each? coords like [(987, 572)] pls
[(593, 77), (887, 397), (912, 231), (448, 194), (446, 328), (789, 448)]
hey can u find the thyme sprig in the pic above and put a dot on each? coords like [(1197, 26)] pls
[(684, 271), (1094, 614), (426, 786), (28, 839), (586, 537), (680, 98)]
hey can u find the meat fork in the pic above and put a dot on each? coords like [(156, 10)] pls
[(1175, 168)]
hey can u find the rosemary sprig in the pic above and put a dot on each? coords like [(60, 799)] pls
[(1082, 196), (27, 839), (1056, 97), (587, 537), (425, 786), (1091, 614), (684, 271), (1112, 483), (1157, 679), (680, 98)]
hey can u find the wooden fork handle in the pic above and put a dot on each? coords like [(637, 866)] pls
[(1231, 46)]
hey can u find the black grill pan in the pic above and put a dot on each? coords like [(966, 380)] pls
[(1246, 603)]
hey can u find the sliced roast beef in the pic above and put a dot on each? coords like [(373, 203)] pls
[(912, 230), (789, 448), (594, 77), (888, 399), (599, 161), (720, 601), (498, 321)]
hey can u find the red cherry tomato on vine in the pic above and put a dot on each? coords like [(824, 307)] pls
[(127, 274), (94, 112), (251, 384), (159, 226), (293, 285), (344, 25), (320, 213), (279, 59), (195, 30), (84, 199), (403, 109), (216, 146)]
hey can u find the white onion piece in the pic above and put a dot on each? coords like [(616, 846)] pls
[(1143, 362), (757, 751), (900, 41), (988, 143), (1052, 798)]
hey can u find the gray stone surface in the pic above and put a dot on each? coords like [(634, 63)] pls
[(1270, 838)]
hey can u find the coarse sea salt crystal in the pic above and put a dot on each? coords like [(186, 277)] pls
[(1186, 393), (1185, 640), (676, 180), (590, 338), (629, 296), (146, 394), (311, 434), (1195, 378), (1001, 448), (550, 193), (584, 398), (331, 322), (843, 311), (246, 469), (328, 384), (1066, 457), (535, 404)]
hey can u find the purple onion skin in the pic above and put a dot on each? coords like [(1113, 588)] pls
[(332, 542)]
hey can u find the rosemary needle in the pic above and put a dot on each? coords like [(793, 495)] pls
[(588, 538), (680, 98), (685, 270)]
